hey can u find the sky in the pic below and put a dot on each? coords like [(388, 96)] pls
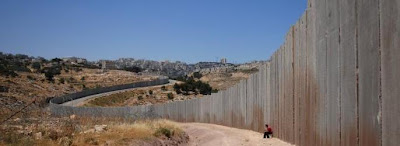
[(175, 30)]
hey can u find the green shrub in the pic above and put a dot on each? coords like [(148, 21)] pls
[(133, 69), (56, 60), (50, 72), (84, 87), (36, 65), (170, 96), (30, 77), (197, 75), (6, 71), (151, 92), (61, 80), (163, 131), (191, 85), (214, 91), (3, 89), (71, 80)]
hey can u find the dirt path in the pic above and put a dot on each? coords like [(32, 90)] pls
[(208, 134)]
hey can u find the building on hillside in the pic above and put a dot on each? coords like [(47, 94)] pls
[(107, 65), (74, 60), (223, 61)]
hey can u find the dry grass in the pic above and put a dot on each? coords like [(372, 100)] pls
[(111, 100), (19, 91), (223, 81), (139, 96), (65, 131), (125, 133)]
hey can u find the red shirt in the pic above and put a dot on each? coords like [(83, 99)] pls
[(269, 129)]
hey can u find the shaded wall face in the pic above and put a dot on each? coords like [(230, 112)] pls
[(342, 76), (334, 81)]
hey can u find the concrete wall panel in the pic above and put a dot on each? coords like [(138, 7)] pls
[(390, 43), (369, 72), (333, 73), (348, 78)]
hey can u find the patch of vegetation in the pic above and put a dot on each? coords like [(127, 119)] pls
[(170, 96), (191, 85), (111, 100), (58, 60), (50, 72), (151, 92), (133, 69), (214, 91), (3, 89), (249, 71), (140, 97), (31, 78), (84, 87), (10, 64), (16, 139), (197, 75), (71, 80), (6, 72), (61, 80), (163, 131), (163, 88)]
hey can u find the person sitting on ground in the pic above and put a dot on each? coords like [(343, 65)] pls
[(267, 131)]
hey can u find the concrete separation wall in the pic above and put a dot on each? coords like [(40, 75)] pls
[(334, 81)]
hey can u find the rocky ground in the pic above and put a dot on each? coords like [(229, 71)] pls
[(90, 131), (18, 92), (139, 96), (224, 80), (159, 94)]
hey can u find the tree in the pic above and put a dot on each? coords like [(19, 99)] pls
[(163, 88), (197, 75), (56, 60), (133, 69), (36, 65), (50, 72), (62, 80)]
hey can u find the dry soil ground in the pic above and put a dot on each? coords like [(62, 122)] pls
[(201, 134)]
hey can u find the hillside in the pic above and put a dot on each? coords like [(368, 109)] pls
[(16, 92), (159, 94)]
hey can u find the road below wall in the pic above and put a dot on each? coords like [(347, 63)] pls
[(201, 134)]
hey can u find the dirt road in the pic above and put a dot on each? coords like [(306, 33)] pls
[(215, 135)]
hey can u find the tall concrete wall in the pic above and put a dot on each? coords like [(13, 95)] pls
[(345, 89), (334, 81)]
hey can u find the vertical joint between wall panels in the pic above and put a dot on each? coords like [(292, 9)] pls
[(357, 75), (325, 81), (340, 81), (306, 65), (293, 83), (380, 70), (245, 113)]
